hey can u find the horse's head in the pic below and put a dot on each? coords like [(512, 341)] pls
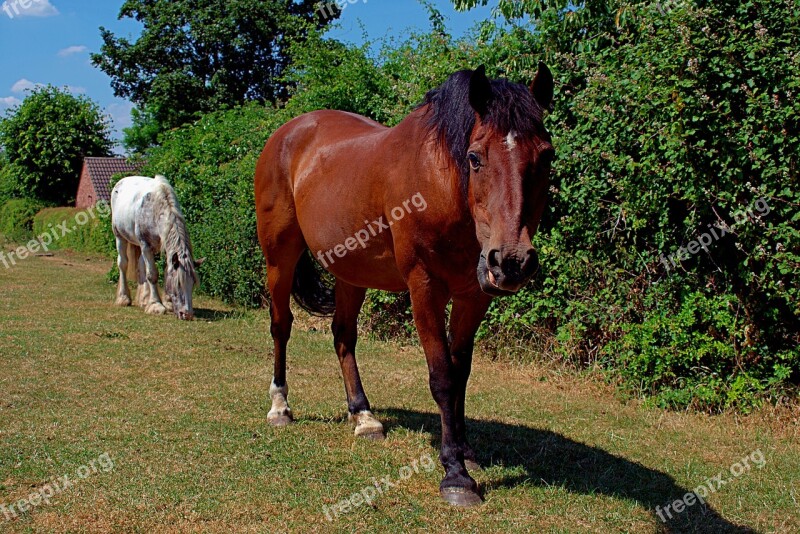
[(179, 281), (509, 158)]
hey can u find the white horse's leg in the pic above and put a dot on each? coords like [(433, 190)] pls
[(154, 305), (168, 302), (123, 295), (142, 289)]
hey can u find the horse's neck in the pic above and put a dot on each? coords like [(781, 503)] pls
[(443, 171), (173, 234)]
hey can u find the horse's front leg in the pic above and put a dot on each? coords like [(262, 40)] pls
[(153, 304), (123, 293), (168, 302), (465, 319), (428, 300)]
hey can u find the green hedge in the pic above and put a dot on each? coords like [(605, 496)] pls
[(211, 166), (16, 219), (89, 230)]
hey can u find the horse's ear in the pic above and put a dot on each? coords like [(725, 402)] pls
[(480, 90), (542, 86), (176, 261), (198, 263)]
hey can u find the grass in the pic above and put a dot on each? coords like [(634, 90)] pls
[(181, 409)]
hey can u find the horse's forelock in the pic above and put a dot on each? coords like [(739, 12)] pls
[(512, 108)]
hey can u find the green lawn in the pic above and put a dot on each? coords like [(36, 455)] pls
[(180, 409)]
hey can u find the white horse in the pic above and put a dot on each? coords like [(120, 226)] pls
[(146, 219)]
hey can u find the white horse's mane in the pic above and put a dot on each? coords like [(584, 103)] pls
[(176, 239)]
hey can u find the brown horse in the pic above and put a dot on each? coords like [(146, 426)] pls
[(443, 205)]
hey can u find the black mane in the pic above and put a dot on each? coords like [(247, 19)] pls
[(511, 108)]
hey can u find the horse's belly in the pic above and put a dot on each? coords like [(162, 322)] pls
[(371, 265)]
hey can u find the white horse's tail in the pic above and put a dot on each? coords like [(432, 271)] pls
[(133, 254)]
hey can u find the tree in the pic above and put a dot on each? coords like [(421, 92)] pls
[(197, 56), (7, 183), (143, 133), (46, 138)]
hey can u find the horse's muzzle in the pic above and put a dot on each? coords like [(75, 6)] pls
[(185, 316), (502, 273)]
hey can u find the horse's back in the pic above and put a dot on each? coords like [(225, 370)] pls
[(301, 147), (326, 124), (307, 137), (127, 198)]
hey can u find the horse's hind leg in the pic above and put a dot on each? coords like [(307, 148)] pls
[(282, 255), (345, 333), (123, 294)]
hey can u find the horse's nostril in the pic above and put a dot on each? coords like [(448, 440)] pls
[(531, 264), (493, 258)]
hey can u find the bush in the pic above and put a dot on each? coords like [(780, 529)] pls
[(211, 165), (16, 219), (94, 236), (46, 138), (668, 122)]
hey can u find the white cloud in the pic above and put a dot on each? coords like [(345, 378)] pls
[(9, 101), (35, 8), (70, 50), (24, 85)]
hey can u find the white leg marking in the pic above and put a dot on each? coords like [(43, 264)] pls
[(367, 425), (280, 406)]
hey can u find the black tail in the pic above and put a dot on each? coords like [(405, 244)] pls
[(311, 288)]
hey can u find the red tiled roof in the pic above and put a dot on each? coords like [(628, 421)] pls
[(102, 169)]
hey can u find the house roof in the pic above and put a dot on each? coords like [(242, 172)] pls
[(102, 169)]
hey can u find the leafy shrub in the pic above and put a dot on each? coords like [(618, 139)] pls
[(211, 165), (93, 236), (47, 136), (669, 121), (16, 219)]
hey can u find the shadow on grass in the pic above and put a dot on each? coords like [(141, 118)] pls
[(213, 316), (550, 459)]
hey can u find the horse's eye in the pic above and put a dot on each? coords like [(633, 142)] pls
[(547, 156), (474, 161)]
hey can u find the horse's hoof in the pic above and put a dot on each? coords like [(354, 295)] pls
[(463, 497), (280, 419), (156, 309), (367, 426), (472, 465), (123, 301), (375, 435)]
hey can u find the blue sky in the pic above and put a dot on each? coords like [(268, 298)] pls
[(50, 41)]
